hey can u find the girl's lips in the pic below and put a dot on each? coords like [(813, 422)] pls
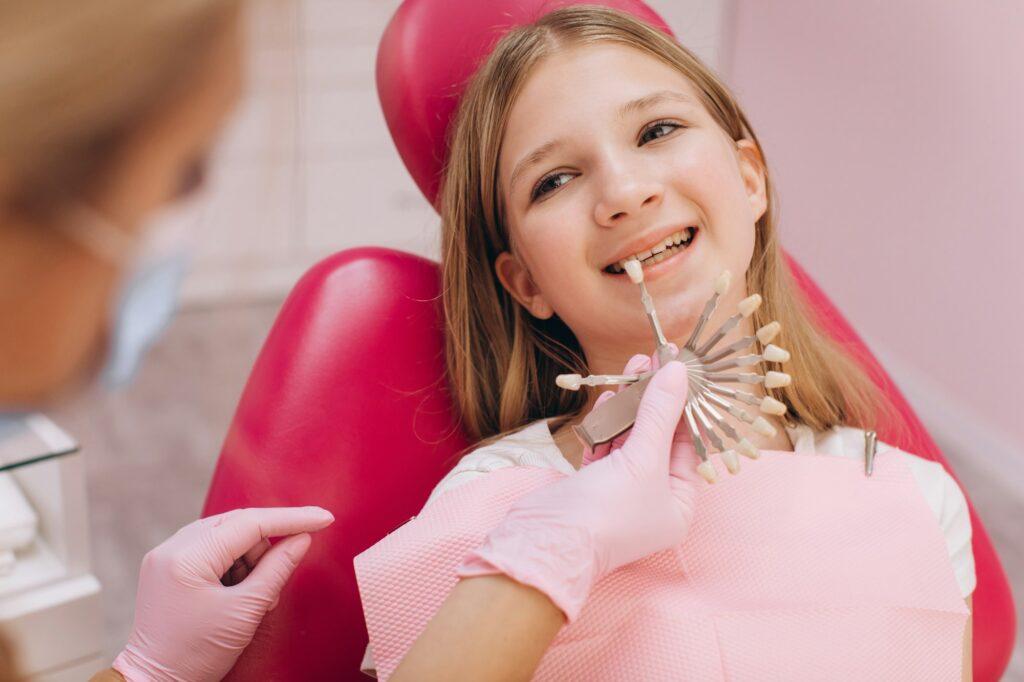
[(652, 272)]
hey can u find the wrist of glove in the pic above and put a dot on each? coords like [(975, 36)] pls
[(557, 557)]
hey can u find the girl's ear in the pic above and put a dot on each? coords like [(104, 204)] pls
[(516, 279), (752, 171)]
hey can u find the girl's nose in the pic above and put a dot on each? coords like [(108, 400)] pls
[(626, 197)]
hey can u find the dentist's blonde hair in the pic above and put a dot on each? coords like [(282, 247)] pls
[(502, 362), (77, 77)]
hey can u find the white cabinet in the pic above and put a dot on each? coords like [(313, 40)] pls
[(49, 599)]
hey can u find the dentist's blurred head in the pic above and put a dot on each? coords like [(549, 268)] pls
[(108, 111)]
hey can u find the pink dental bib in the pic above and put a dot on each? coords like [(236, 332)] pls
[(799, 568)]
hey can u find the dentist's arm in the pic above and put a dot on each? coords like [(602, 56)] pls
[(189, 625), (535, 570)]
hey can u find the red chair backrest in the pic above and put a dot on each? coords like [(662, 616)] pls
[(347, 406)]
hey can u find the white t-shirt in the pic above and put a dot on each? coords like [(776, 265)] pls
[(533, 446)]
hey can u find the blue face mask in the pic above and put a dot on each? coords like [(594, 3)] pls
[(148, 300), (149, 291), (10, 422)]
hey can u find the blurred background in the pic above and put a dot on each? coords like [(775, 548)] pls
[(890, 128)]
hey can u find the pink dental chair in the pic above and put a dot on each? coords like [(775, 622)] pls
[(347, 406)]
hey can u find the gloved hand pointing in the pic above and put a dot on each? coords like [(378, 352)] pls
[(189, 625)]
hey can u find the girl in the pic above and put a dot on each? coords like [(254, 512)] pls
[(586, 139)]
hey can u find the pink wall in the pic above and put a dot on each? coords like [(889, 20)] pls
[(894, 132)]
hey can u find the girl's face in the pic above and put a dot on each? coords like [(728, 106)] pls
[(608, 153)]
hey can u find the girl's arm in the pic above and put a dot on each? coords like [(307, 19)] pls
[(489, 628), (968, 669), (534, 571)]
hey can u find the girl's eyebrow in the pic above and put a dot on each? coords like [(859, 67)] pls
[(530, 159), (654, 98)]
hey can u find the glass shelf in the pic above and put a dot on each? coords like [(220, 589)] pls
[(31, 439)]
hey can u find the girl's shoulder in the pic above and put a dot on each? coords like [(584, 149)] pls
[(531, 446), (938, 488)]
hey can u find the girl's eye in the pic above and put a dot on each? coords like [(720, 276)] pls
[(549, 184), (656, 130)]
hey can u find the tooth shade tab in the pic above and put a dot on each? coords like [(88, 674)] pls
[(747, 449), (731, 460), (748, 305), (722, 282), (773, 353), (768, 332), (762, 426), (770, 405), (707, 471), (570, 382), (776, 379), (634, 270)]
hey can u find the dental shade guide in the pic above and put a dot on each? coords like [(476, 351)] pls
[(708, 427)]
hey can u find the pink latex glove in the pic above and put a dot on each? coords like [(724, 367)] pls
[(621, 507), (203, 592)]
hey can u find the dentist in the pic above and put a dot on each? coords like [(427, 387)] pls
[(108, 112)]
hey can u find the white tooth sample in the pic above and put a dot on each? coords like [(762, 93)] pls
[(773, 353), (768, 332), (722, 282), (731, 460), (747, 449), (643, 255), (762, 426), (770, 405), (748, 305), (635, 270), (707, 471), (776, 379), (570, 382)]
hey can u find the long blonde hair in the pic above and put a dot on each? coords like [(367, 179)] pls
[(502, 362), (77, 76)]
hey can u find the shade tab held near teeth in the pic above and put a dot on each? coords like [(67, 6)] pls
[(635, 270)]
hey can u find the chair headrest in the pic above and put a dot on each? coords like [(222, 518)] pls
[(430, 50)]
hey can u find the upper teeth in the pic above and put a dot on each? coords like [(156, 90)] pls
[(656, 253)]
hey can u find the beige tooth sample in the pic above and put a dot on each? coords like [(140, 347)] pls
[(762, 426), (748, 305), (776, 379), (773, 353), (770, 405), (722, 282), (731, 460), (570, 382), (747, 449), (707, 471), (768, 332), (635, 271)]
